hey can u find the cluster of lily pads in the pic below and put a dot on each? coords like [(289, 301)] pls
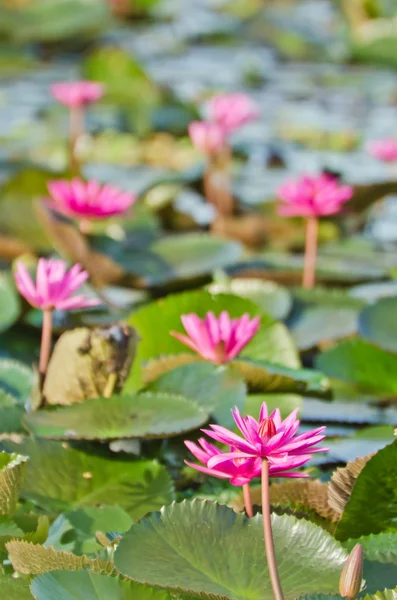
[(184, 412)]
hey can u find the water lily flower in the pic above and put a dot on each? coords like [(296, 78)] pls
[(385, 150), (77, 93), (231, 111), (88, 200), (218, 339), (313, 196), (208, 137), (54, 290), (269, 438)]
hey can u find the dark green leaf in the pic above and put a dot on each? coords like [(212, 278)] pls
[(9, 302), (16, 379), (14, 589), (377, 323)]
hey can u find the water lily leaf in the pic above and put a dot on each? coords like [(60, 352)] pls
[(286, 403), (176, 258), (377, 482), (84, 360), (349, 362), (13, 467), (11, 414), (325, 296), (158, 367), (75, 531), (383, 595), (271, 297), (34, 559), (364, 442), (60, 478), (191, 560), (14, 589), (215, 389), (377, 325), (272, 342), (381, 547), (323, 324), (349, 410), (147, 415), (263, 376), (16, 379), (85, 585), (9, 302), (342, 483)]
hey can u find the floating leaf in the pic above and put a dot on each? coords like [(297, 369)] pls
[(377, 323), (16, 379), (190, 558), (62, 478), (147, 415), (342, 483), (34, 559), (14, 589), (13, 467), (350, 362), (85, 585), (317, 324), (84, 359), (154, 322), (381, 547), (215, 389), (11, 414), (377, 483), (9, 302)]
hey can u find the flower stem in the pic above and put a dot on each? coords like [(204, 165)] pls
[(110, 385), (309, 269), (76, 129), (268, 534), (247, 500), (45, 347), (217, 188)]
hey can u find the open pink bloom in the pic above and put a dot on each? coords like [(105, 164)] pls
[(54, 285), (313, 196), (77, 93), (78, 199), (231, 111), (385, 150), (218, 339), (208, 137), (269, 438)]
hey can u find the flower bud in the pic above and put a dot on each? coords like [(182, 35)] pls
[(267, 429), (352, 574)]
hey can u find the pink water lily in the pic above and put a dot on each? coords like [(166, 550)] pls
[(313, 196), (54, 287), (269, 438), (77, 93), (385, 150), (88, 200), (231, 111), (208, 137), (218, 339)]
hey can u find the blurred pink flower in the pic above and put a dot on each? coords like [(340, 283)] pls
[(239, 471), (313, 196), (78, 199), (77, 93), (208, 137), (231, 111), (385, 150), (54, 285), (268, 438), (218, 339)]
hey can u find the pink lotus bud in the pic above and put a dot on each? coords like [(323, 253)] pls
[(385, 150), (231, 111), (77, 93), (267, 429), (207, 137), (352, 574)]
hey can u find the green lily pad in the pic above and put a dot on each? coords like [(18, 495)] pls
[(83, 585), (272, 343), (215, 389), (377, 323), (226, 558), (317, 324), (147, 415), (11, 414), (9, 302), (16, 379), (14, 589), (381, 547), (377, 483), (357, 361), (60, 478)]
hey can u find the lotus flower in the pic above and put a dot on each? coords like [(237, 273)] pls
[(91, 200), (217, 339), (54, 285), (77, 93), (268, 438), (313, 197), (385, 150), (231, 111), (208, 137)]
